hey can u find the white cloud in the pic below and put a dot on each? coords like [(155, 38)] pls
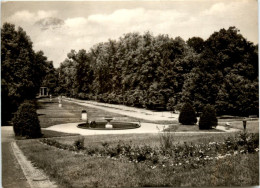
[(83, 32), (76, 22), (30, 17), (215, 9)]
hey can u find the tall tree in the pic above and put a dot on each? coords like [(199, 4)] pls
[(21, 75)]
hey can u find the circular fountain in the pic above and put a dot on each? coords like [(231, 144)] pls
[(102, 125)]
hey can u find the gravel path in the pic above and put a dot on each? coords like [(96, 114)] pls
[(128, 111), (72, 128), (145, 128)]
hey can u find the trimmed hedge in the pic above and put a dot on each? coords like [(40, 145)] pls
[(26, 122), (187, 115), (208, 118)]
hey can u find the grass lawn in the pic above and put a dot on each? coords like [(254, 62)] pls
[(70, 169), (51, 134), (252, 125), (50, 114), (186, 128)]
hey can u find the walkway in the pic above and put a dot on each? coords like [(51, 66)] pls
[(128, 111), (72, 128), (145, 128), (12, 174), (17, 171)]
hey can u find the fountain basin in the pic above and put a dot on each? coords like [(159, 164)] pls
[(102, 126)]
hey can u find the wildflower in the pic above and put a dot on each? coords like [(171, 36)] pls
[(256, 149), (153, 167), (163, 165), (241, 151), (179, 163), (236, 152), (220, 157)]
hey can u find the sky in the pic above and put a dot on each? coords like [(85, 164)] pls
[(57, 27)]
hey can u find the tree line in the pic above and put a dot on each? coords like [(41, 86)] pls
[(160, 72), (154, 72), (23, 70)]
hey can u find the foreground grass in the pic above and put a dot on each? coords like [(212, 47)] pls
[(51, 134), (69, 169)]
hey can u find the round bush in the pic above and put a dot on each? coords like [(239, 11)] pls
[(26, 122), (187, 115), (208, 118)]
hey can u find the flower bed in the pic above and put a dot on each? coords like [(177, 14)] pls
[(185, 155)]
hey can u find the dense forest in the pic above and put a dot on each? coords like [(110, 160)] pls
[(23, 70), (154, 72), (160, 72)]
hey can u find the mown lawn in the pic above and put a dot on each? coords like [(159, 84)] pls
[(71, 169), (50, 113)]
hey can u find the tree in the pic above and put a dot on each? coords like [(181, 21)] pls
[(159, 72), (187, 115), (227, 69), (208, 118), (47, 74), (238, 95), (197, 44), (21, 75)]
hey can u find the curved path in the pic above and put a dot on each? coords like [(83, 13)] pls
[(145, 128), (72, 128)]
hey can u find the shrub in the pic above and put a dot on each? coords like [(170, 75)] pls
[(187, 115), (26, 122), (79, 144), (208, 118)]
